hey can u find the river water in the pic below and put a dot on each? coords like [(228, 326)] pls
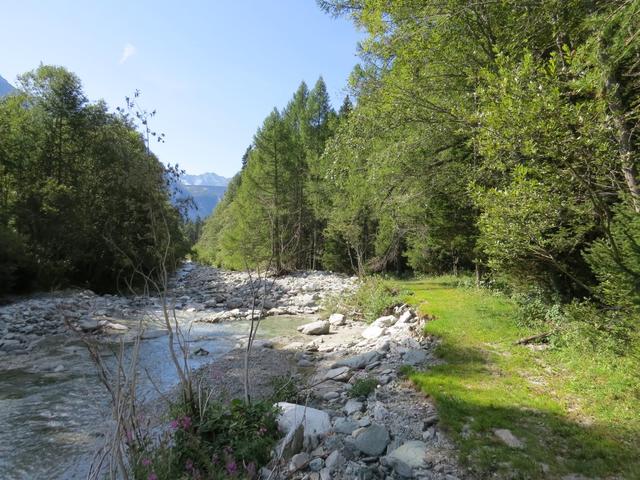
[(53, 408)]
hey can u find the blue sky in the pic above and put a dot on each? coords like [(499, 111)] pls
[(212, 69)]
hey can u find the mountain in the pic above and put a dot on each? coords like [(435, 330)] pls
[(205, 179), (5, 87), (206, 190)]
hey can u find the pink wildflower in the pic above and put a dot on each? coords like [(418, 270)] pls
[(152, 476), (232, 468), (188, 465), (146, 462)]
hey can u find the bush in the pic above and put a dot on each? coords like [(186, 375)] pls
[(375, 297), (223, 441), (363, 387)]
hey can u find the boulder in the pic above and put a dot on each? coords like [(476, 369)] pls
[(385, 321), (373, 332), (313, 421), (359, 361), (372, 440), (298, 461), (412, 454), (321, 327), (337, 319), (345, 425), (340, 374), (352, 406), (414, 357), (334, 461)]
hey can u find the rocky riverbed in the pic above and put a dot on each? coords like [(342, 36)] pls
[(390, 432)]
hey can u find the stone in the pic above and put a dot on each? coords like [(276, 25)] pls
[(337, 319), (316, 464), (314, 421), (353, 406), (10, 345), (414, 357), (380, 412), (508, 438), (298, 461), (359, 361), (344, 425), (334, 461), (325, 474), (372, 440), (385, 321), (406, 317), (59, 368), (412, 454), (364, 422), (330, 395), (87, 324), (340, 374), (373, 332), (320, 327)]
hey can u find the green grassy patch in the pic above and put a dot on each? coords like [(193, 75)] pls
[(575, 411)]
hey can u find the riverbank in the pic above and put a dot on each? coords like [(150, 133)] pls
[(535, 411)]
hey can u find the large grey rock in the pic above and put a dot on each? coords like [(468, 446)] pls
[(372, 440), (334, 461), (321, 327), (298, 461), (414, 357), (345, 425), (359, 361), (337, 319), (373, 332), (10, 345), (340, 374), (404, 459), (352, 406)]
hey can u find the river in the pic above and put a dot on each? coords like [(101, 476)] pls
[(53, 408)]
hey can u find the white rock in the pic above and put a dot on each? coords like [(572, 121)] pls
[(406, 317), (321, 327), (385, 321), (314, 421), (373, 332), (337, 319), (411, 455), (353, 406), (340, 374)]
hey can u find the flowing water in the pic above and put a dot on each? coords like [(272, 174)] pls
[(53, 408)]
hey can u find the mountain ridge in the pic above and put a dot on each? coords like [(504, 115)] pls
[(5, 87)]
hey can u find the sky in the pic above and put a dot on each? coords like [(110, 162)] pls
[(213, 69)]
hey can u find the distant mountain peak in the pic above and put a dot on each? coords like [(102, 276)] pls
[(205, 179), (5, 87)]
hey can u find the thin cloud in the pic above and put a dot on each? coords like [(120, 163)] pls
[(127, 52)]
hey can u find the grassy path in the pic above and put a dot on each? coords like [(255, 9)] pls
[(575, 412)]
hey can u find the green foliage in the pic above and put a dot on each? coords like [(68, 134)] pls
[(285, 389), (579, 401), (363, 387), (223, 441), (81, 190), (375, 297)]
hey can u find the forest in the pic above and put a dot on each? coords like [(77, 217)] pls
[(499, 138), (83, 200)]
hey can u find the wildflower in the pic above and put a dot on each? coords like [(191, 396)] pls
[(146, 462), (174, 424), (251, 470), (185, 422), (152, 476), (188, 465), (214, 459), (232, 467), (262, 431)]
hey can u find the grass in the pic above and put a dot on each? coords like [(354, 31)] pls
[(576, 412)]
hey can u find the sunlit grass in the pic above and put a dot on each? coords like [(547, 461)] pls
[(574, 412)]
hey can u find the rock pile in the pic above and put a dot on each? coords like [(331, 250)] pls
[(391, 433)]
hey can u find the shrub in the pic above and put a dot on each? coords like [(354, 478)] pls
[(363, 387), (375, 297), (222, 441)]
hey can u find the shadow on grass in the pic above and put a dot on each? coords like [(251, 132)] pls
[(473, 401)]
